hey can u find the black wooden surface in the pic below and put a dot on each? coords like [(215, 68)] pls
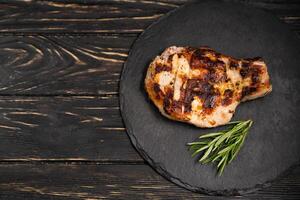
[(61, 133)]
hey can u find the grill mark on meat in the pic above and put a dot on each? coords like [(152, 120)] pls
[(210, 101), (170, 58), (199, 59), (216, 68), (208, 63), (196, 58), (233, 64), (216, 75), (202, 88), (248, 90), (157, 90), (255, 76), (187, 55), (190, 92), (160, 68), (176, 107), (244, 72), (245, 64), (167, 101), (228, 94), (172, 107)]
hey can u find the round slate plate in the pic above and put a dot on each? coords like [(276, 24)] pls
[(273, 144)]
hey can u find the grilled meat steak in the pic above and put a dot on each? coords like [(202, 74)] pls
[(202, 87)]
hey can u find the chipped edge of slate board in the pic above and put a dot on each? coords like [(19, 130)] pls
[(161, 170)]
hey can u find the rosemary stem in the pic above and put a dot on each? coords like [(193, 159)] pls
[(221, 147)]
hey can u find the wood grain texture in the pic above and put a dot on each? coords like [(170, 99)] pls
[(62, 64), (63, 128), (71, 181), (62, 137), (108, 16)]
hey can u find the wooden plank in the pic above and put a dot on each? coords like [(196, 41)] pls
[(62, 64), (103, 17), (108, 16), (63, 128), (70, 181)]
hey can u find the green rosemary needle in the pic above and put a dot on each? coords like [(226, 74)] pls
[(221, 147)]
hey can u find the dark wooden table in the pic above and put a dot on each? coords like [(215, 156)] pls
[(61, 133)]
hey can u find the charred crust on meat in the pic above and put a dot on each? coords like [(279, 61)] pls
[(221, 64), (233, 64), (207, 81), (248, 91), (176, 107), (187, 55), (245, 64), (170, 58), (252, 71), (156, 88), (172, 107), (167, 101), (196, 58), (218, 55), (192, 89), (203, 90), (187, 100), (216, 76), (210, 101), (244, 72), (216, 68), (157, 91), (228, 94), (160, 68), (208, 63), (255, 76)]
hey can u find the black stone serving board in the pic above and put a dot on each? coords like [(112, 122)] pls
[(273, 144)]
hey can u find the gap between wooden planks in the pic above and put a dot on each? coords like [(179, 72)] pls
[(74, 65), (59, 101), (111, 181), (52, 17), (75, 128)]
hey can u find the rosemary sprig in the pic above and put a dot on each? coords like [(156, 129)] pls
[(221, 147)]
